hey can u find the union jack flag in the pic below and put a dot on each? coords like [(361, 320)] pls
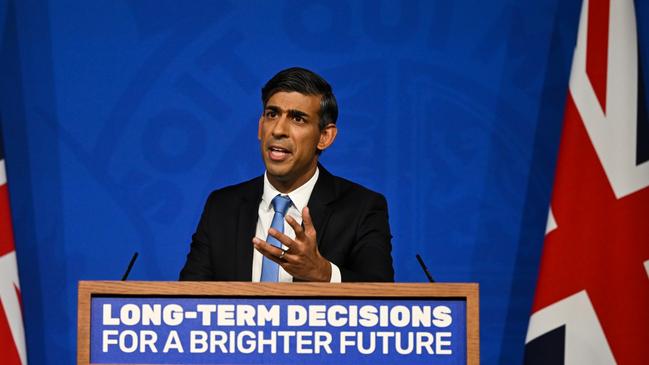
[(592, 297), (12, 337)]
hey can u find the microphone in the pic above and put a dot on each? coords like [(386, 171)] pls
[(130, 266), (423, 267)]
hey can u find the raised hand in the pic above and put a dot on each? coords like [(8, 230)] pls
[(301, 259)]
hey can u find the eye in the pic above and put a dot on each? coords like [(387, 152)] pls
[(298, 119), (270, 114)]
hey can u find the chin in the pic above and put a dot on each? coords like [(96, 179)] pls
[(280, 173)]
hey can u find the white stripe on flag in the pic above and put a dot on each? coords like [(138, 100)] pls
[(552, 223), (3, 175), (10, 302), (585, 342)]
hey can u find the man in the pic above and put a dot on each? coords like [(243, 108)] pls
[(297, 221)]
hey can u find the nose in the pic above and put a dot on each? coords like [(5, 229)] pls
[(280, 128)]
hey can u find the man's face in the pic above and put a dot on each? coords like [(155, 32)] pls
[(290, 135)]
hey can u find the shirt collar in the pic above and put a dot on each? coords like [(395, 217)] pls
[(299, 197)]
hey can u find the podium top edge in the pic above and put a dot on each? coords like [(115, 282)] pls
[(204, 288)]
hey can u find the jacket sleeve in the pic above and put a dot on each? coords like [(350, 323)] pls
[(370, 257), (198, 266)]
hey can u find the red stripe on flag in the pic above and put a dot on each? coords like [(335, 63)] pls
[(20, 300), (6, 232), (597, 48), (600, 244), (8, 350)]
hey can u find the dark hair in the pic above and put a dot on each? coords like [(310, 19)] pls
[(303, 81)]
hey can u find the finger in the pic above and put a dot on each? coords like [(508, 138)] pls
[(274, 253), (309, 229), (268, 250), (281, 237), (297, 228)]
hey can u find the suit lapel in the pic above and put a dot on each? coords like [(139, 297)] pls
[(323, 193), (246, 227)]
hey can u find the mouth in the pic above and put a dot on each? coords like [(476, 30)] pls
[(277, 153)]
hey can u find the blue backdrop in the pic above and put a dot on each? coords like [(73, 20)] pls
[(119, 117)]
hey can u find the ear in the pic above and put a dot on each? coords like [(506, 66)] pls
[(261, 120), (327, 136)]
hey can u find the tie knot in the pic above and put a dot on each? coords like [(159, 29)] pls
[(281, 204)]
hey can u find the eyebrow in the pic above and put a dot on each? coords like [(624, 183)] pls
[(290, 112), (297, 113)]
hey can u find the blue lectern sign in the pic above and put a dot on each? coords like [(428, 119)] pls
[(282, 331)]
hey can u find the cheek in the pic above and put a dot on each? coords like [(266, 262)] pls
[(263, 132), (308, 146), (305, 138)]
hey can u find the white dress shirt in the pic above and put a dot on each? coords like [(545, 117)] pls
[(300, 198)]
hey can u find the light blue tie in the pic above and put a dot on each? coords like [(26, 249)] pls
[(269, 269)]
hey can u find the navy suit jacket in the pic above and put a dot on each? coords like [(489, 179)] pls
[(351, 224)]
